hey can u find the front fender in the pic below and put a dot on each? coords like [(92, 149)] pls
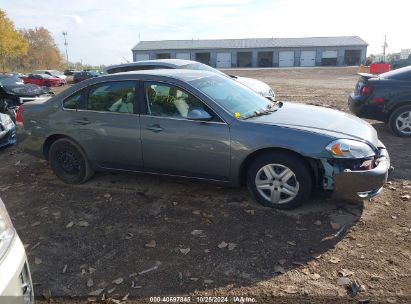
[(248, 139)]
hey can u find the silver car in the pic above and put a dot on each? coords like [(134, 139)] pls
[(15, 280), (256, 85)]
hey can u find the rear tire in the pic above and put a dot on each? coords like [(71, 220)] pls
[(400, 121), (279, 180), (69, 162)]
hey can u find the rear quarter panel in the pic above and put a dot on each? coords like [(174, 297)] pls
[(38, 125), (394, 92)]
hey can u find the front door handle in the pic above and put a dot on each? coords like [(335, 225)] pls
[(155, 128), (83, 121)]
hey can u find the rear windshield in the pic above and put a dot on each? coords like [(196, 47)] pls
[(399, 74)]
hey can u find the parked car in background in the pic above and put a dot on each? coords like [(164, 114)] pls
[(15, 279), (80, 76), (70, 72), (53, 73), (11, 78), (14, 92), (7, 134), (254, 84), (396, 64), (204, 125), (385, 97), (44, 80)]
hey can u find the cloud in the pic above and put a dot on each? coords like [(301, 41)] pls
[(76, 18), (114, 27)]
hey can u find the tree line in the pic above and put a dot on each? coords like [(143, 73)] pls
[(27, 49)]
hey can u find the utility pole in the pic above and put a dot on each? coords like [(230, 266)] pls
[(65, 44), (384, 47)]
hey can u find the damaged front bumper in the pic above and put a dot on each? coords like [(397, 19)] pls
[(363, 184)]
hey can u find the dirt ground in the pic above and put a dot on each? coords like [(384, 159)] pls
[(147, 236)]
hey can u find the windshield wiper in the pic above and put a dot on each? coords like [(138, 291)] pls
[(270, 108)]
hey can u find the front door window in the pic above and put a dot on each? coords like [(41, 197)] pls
[(169, 101)]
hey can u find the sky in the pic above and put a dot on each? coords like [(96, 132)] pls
[(103, 31)]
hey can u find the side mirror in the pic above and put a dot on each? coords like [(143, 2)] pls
[(199, 115)]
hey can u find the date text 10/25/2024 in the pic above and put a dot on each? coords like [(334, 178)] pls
[(202, 299)]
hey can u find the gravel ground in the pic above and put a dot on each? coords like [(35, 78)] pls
[(146, 236)]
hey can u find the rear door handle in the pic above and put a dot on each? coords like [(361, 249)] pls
[(155, 128), (83, 121)]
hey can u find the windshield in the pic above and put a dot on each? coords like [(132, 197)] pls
[(201, 67), (55, 73), (232, 96)]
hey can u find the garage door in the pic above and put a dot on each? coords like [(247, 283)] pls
[(329, 54), (286, 59), (307, 58), (142, 57), (223, 60), (185, 56)]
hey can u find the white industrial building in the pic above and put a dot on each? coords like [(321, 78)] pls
[(259, 52)]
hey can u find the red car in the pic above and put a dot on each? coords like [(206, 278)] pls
[(44, 80)]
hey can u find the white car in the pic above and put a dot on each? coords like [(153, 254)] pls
[(53, 73), (256, 85), (15, 279)]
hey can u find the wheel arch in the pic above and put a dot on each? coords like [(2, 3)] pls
[(406, 102), (313, 164), (53, 138)]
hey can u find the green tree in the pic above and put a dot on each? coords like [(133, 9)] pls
[(370, 59), (12, 43)]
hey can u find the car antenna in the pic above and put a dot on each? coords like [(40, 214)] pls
[(126, 60)]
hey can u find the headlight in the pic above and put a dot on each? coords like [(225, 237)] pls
[(347, 148), (7, 231)]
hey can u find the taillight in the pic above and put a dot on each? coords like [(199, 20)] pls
[(378, 99), (365, 90), (19, 115)]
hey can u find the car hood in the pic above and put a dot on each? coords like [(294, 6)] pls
[(320, 120), (256, 85)]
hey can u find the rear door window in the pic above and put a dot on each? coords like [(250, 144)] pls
[(117, 97), (73, 102)]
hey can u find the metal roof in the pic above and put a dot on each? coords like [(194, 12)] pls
[(249, 43)]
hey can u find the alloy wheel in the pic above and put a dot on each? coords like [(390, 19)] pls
[(403, 123)]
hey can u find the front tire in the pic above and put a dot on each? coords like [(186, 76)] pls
[(279, 180), (400, 121), (69, 162)]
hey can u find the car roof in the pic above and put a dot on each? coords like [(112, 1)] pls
[(180, 74), (168, 63)]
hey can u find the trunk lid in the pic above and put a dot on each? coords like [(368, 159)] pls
[(362, 82)]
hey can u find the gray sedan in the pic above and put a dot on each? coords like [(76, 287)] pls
[(202, 125)]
